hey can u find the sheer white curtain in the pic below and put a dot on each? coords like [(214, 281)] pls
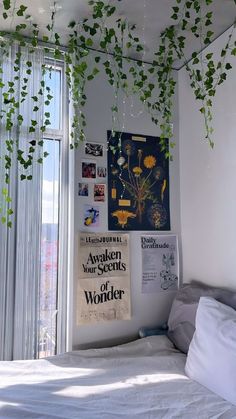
[(20, 245)]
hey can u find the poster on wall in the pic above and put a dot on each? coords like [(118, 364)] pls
[(104, 278), (91, 216), (88, 169), (94, 149), (138, 183), (160, 263), (101, 172), (83, 189), (99, 192)]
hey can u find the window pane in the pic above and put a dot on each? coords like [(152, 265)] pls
[(49, 251), (53, 81)]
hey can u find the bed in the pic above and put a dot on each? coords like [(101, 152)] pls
[(142, 379)]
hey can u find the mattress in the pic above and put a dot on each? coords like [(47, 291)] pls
[(143, 379)]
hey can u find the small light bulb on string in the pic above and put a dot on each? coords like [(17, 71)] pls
[(123, 119), (132, 113), (55, 7), (124, 112), (54, 10), (123, 185), (121, 159)]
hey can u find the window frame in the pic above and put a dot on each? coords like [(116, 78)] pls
[(65, 231)]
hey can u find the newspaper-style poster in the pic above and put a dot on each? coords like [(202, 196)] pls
[(104, 278), (160, 261)]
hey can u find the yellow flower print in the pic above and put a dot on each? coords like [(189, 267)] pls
[(122, 216), (149, 162), (137, 171)]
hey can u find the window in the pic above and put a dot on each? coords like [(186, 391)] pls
[(52, 194), (47, 318), (34, 252)]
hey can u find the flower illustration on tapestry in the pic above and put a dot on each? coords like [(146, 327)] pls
[(138, 185)]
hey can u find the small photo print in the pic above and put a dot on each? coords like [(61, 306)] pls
[(83, 189), (99, 193), (88, 170), (94, 149), (91, 216), (101, 171)]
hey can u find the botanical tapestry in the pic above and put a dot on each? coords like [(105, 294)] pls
[(138, 183)]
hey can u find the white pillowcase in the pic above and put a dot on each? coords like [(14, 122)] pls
[(211, 359)]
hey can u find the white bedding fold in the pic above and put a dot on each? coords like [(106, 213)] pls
[(144, 379)]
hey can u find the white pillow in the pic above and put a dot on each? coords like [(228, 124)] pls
[(211, 359)]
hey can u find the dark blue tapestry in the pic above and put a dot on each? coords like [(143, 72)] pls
[(138, 183)]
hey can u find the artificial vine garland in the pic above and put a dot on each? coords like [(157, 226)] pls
[(153, 84)]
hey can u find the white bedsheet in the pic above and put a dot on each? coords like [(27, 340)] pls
[(143, 379)]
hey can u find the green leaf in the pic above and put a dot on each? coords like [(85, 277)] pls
[(228, 66), (95, 71), (111, 11), (209, 56), (72, 24), (21, 10), (209, 34), (7, 4), (196, 61), (89, 42), (176, 9)]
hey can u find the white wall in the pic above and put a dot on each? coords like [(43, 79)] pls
[(208, 184), (147, 309)]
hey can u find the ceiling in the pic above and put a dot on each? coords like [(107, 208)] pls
[(157, 17)]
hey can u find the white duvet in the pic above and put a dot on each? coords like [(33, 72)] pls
[(143, 379)]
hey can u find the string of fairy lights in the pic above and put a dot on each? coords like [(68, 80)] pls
[(132, 113), (141, 111)]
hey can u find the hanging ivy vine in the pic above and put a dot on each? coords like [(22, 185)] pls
[(154, 84)]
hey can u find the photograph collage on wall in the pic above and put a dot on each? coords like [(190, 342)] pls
[(138, 183), (92, 193)]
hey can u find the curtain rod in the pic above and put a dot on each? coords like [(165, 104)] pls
[(64, 48)]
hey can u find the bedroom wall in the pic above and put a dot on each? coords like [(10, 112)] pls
[(208, 184), (147, 309)]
